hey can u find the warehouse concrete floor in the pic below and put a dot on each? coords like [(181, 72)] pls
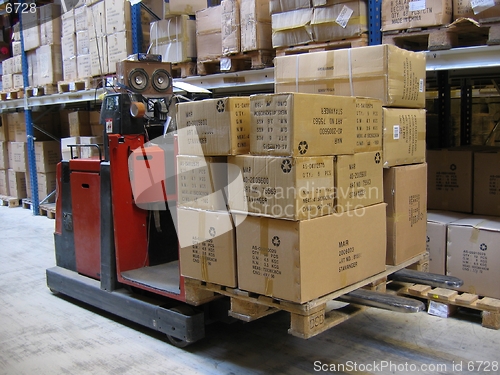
[(41, 333)]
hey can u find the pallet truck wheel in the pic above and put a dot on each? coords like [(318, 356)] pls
[(185, 310), (53, 291), (177, 342)]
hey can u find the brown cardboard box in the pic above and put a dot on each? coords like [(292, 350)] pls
[(16, 48), (46, 184), (209, 33), (19, 158), (301, 260), (17, 184), (89, 152), (47, 156), (230, 31), (214, 127), (66, 150), (84, 66), (345, 20), (472, 254), (99, 56), (282, 187), (68, 46), (391, 74), (292, 28), (4, 124), (117, 16), (409, 14), (450, 180), (437, 238), (96, 127), (201, 181), (31, 30), (83, 42), (482, 11), (296, 124), (358, 180), (405, 189), (207, 246), (48, 122), (256, 29), (17, 81), (96, 20), (49, 60), (17, 65), (33, 71), (70, 69), (174, 39), (4, 182), (13, 120), (68, 23), (189, 7), (50, 31), (280, 6), (119, 48), (4, 155), (7, 82), (369, 125), (404, 136), (487, 183), (79, 123)]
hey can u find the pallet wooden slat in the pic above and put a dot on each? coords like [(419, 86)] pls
[(360, 41), (242, 61), (11, 202)]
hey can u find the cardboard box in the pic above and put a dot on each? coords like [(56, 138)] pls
[(407, 14), (7, 82), (4, 182), (482, 11), (209, 33), (280, 6), (117, 16), (292, 28), (391, 74), (405, 192), (84, 66), (96, 20), (16, 48), (33, 71), (66, 150), (17, 80), (119, 47), (437, 238), (70, 69), (50, 69), (31, 30), (17, 64), (7, 66), (99, 56), (450, 180), (358, 180), (486, 183), (174, 39), (295, 124), (345, 20), (79, 123), (19, 156), (230, 31), (46, 122), (68, 23), (207, 246), (255, 25), (301, 260), (11, 119), (49, 12), (472, 254), (46, 184), (94, 119), (4, 125), (369, 125), (200, 182), (404, 136), (50, 31), (4, 155), (89, 152), (47, 156), (190, 7), (214, 126), (83, 42), (68, 46), (282, 187), (17, 184)]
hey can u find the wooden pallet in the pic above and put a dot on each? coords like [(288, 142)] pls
[(41, 90), (464, 33), (307, 319), (184, 69), (48, 209), (238, 62), (452, 299), (11, 202), (360, 41), (81, 84), (11, 95)]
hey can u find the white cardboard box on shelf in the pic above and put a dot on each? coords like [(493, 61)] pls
[(174, 39), (256, 29)]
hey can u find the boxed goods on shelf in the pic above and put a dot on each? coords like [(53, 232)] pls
[(405, 189), (209, 33), (296, 124), (174, 39), (31, 30), (189, 7), (49, 61), (16, 48), (68, 46), (7, 66), (68, 23), (4, 182), (99, 56), (207, 246), (17, 184), (50, 24), (119, 48), (407, 14), (404, 136), (437, 238), (17, 81), (4, 131), (7, 82), (282, 187), (391, 74), (214, 126), (280, 6), (66, 150), (230, 30), (487, 183), (256, 30), (482, 11), (83, 66), (70, 69), (18, 160), (46, 184), (117, 16), (47, 155), (4, 155), (82, 42), (17, 64), (292, 28), (301, 260), (88, 152), (95, 20), (472, 254), (200, 182), (79, 123)]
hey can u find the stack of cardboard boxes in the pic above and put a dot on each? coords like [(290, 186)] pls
[(83, 129)]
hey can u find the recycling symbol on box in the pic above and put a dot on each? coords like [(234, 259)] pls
[(377, 158), (221, 107), (276, 241), (212, 232), (483, 247), (303, 146), (453, 167), (286, 166)]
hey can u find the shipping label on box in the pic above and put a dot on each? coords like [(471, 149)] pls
[(301, 260), (47, 156), (255, 25), (407, 14), (295, 124), (17, 184), (214, 126), (404, 136), (369, 126), (437, 238), (292, 28), (4, 182), (486, 183), (207, 246), (201, 182), (230, 31), (482, 11), (358, 180), (472, 254), (282, 187), (4, 155), (405, 192), (450, 181), (19, 160)]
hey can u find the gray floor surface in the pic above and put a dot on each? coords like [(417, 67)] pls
[(41, 333)]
